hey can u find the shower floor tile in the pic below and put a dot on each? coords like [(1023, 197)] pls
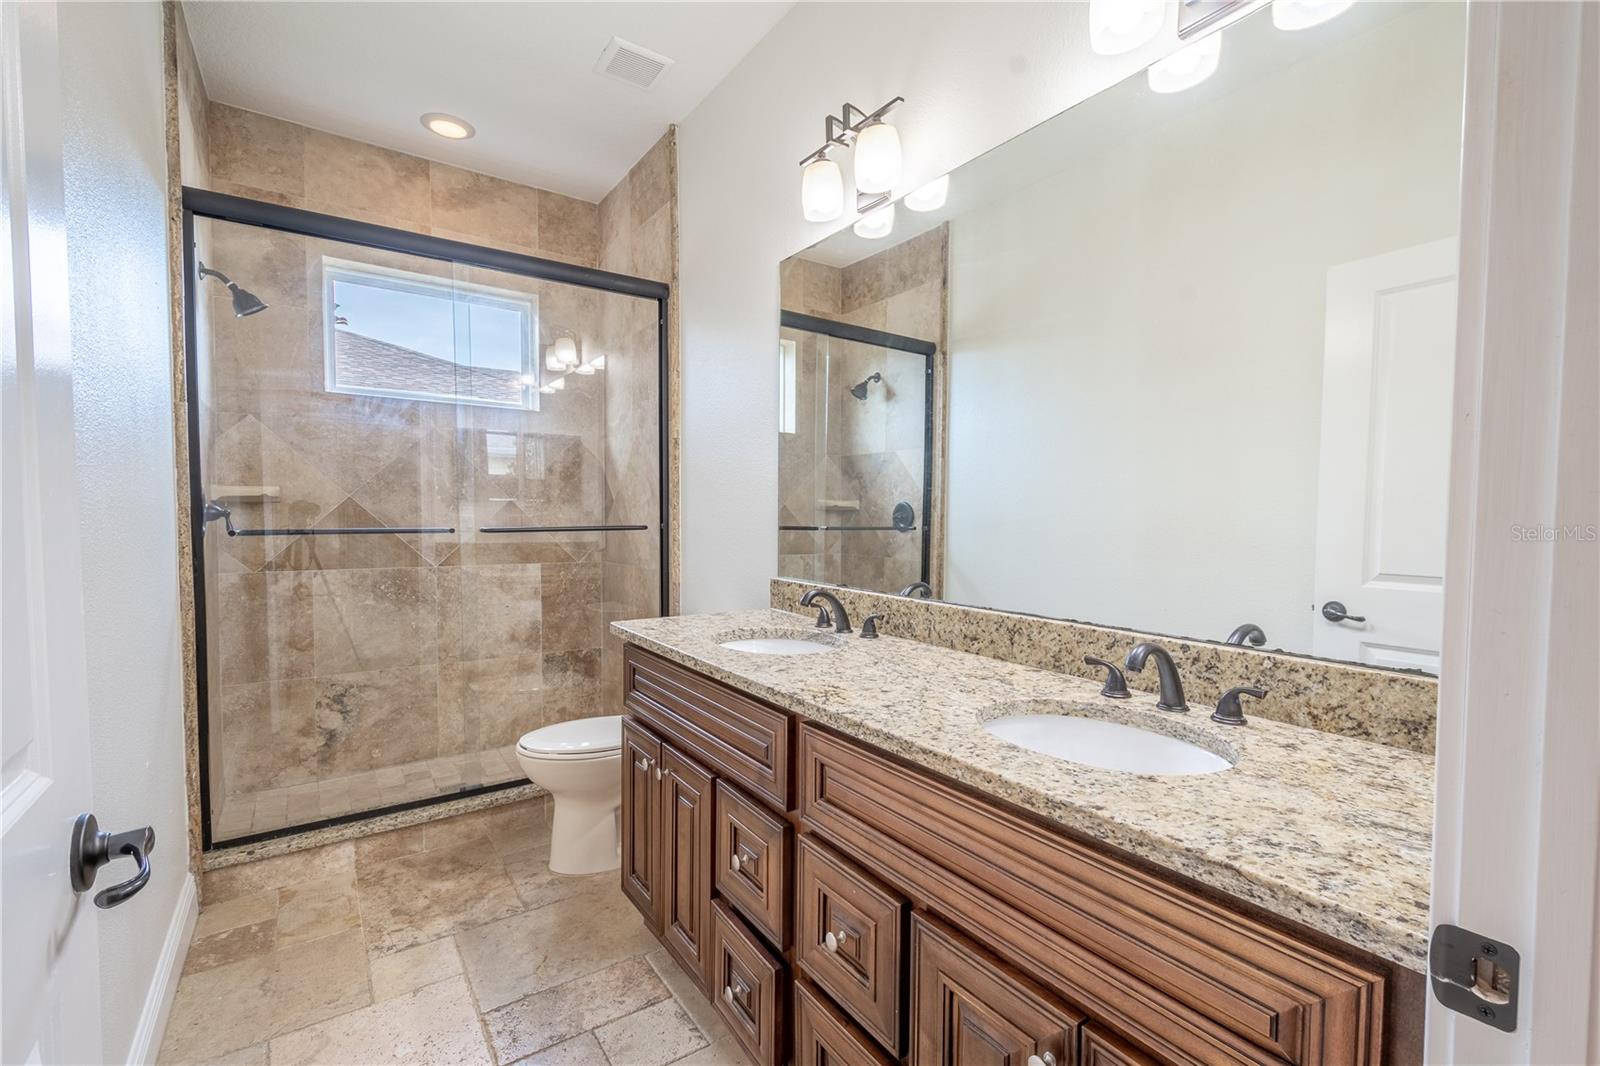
[(447, 942), (272, 809)]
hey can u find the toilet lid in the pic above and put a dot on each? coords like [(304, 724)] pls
[(583, 736)]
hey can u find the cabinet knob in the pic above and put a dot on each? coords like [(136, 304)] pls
[(830, 942), (736, 864), (727, 993), (1046, 1059)]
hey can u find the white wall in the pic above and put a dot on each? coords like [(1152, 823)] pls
[(973, 75), (115, 153), (1136, 341)]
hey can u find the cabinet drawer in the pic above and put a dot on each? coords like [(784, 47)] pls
[(731, 733), (1100, 1048), (848, 939), (752, 862), (1190, 976), (968, 1007), (825, 1037), (748, 986)]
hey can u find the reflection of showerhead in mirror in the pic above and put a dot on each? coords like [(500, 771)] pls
[(860, 391), (245, 302)]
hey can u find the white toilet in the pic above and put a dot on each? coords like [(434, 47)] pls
[(580, 764)]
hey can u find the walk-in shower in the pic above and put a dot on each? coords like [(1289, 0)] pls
[(854, 447), (424, 477)]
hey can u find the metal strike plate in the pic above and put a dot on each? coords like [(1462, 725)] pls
[(1475, 975)]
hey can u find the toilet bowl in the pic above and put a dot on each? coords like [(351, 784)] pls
[(580, 764)]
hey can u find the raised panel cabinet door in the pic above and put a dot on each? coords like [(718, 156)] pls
[(968, 1009), (686, 857), (1100, 1048), (850, 939), (823, 1036), (748, 987), (641, 822), (752, 862)]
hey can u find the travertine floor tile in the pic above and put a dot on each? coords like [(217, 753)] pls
[(435, 1025), (579, 1051), (551, 945), (315, 909), (560, 1013), (251, 878), (654, 1036), (537, 886), (231, 945), (417, 898), (694, 1001), (725, 1052), (411, 969), (232, 913)]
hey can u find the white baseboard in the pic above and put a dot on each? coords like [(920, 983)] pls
[(164, 984)]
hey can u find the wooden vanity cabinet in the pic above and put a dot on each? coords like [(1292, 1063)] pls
[(879, 913), (970, 1009)]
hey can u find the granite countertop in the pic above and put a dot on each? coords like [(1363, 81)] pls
[(1332, 832)]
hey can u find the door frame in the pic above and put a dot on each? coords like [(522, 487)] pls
[(1515, 853), (878, 338), (203, 203)]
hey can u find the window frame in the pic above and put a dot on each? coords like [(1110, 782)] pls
[(409, 281)]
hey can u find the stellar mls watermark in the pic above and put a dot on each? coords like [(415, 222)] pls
[(1542, 534)]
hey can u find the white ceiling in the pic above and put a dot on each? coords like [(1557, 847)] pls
[(522, 73)]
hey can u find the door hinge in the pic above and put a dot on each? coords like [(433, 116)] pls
[(1474, 975)]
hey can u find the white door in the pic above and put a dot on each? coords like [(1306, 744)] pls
[(1388, 368), (50, 983)]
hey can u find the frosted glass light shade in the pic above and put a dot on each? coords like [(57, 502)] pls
[(552, 360), (877, 158), (931, 196), (564, 351), (1118, 26), (1303, 14), (876, 224), (1187, 67), (821, 191)]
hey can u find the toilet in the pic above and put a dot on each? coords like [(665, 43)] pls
[(580, 764)]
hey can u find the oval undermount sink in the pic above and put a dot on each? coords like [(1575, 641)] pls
[(779, 642), (1106, 745)]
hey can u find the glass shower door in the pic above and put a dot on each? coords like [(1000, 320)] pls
[(408, 467)]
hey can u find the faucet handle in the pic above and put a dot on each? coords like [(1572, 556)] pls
[(824, 618), (869, 626), (1228, 711), (1116, 686)]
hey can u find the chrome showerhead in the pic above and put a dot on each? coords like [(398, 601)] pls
[(245, 302), (859, 391)]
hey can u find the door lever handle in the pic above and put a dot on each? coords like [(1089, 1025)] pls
[(1334, 611), (92, 849)]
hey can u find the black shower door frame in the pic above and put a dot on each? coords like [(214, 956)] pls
[(203, 203), (914, 345)]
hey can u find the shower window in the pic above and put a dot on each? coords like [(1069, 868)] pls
[(406, 335), (414, 517)]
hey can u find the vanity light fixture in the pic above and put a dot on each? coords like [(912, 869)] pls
[(1118, 26), (1187, 67), (821, 190), (931, 196), (1303, 14), (562, 354), (877, 163), (877, 223), (447, 126)]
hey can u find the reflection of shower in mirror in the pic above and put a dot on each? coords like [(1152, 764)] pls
[(859, 390)]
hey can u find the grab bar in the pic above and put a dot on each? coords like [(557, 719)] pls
[(559, 529), (848, 529), (347, 531)]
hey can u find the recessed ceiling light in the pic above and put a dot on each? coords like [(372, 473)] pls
[(456, 129)]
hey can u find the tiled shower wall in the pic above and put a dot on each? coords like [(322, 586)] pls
[(335, 655), (874, 447)]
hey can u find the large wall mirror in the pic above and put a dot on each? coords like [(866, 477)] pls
[(1178, 362)]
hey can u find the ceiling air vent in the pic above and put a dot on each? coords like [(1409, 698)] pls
[(628, 62)]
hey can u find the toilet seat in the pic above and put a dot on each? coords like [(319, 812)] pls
[(577, 741)]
